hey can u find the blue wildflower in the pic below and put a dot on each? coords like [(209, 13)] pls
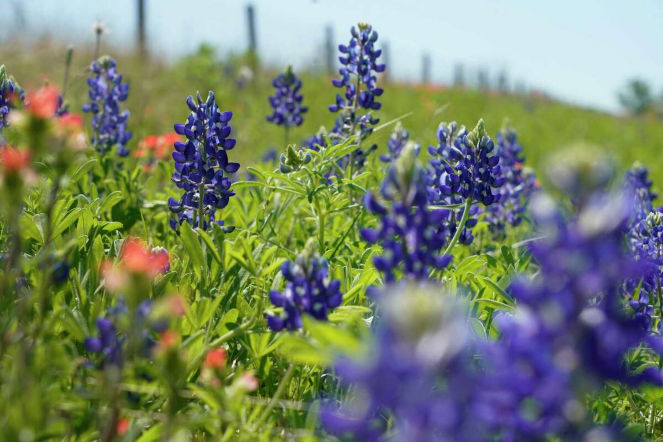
[(515, 194), (411, 234), (202, 168), (637, 187), (108, 344), (397, 140), (107, 92), (10, 93), (358, 78), (645, 239), (463, 172), (287, 100), (308, 290)]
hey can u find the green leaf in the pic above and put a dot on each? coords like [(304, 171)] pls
[(210, 245), (193, 248)]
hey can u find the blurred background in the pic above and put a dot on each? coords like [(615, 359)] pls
[(562, 72)]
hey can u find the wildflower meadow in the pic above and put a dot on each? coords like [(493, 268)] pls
[(320, 271)]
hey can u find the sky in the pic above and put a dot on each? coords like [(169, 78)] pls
[(581, 51)]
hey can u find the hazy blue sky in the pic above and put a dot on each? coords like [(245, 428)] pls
[(580, 51)]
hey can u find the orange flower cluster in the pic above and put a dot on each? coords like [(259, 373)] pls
[(13, 160), (135, 258), (156, 147), (43, 103)]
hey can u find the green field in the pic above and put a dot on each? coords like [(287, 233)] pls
[(543, 124)]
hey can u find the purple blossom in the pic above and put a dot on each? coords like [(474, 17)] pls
[(411, 234), (287, 100), (637, 187), (515, 194), (202, 168), (463, 171), (9, 92), (397, 141), (308, 290), (358, 78), (107, 92)]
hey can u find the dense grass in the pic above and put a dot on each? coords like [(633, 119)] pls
[(543, 125), (78, 207)]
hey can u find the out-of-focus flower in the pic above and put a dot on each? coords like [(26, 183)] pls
[(248, 382), (216, 359), (122, 426), (135, 258), (107, 343), (14, 160), (202, 167), (156, 147), (168, 340), (287, 100), (638, 190), (107, 92), (60, 272), (138, 258), (308, 290), (11, 94), (411, 234), (397, 141), (515, 194), (43, 103)]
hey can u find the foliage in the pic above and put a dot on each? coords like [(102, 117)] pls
[(330, 283)]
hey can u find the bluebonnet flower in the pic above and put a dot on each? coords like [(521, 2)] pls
[(287, 100), (401, 389), (637, 187), (645, 239), (60, 272), (463, 171), (397, 140), (110, 343), (514, 195), (308, 290), (465, 165), (568, 335), (358, 78), (10, 91), (62, 107), (202, 167), (411, 234), (107, 92)]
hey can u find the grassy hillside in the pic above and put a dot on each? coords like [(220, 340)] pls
[(159, 90)]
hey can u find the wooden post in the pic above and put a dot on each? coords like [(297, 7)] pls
[(482, 77), (251, 22), (425, 68), (503, 82), (330, 50), (386, 59), (459, 75), (142, 49)]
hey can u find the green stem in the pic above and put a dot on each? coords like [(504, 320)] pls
[(279, 391), (321, 225), (461, 225)]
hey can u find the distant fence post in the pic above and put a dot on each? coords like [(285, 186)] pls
[(251, 22), (329, 50), (503, 82), (459, 75), (425, 68), (141, 27), (484, 82), (386, 59)]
